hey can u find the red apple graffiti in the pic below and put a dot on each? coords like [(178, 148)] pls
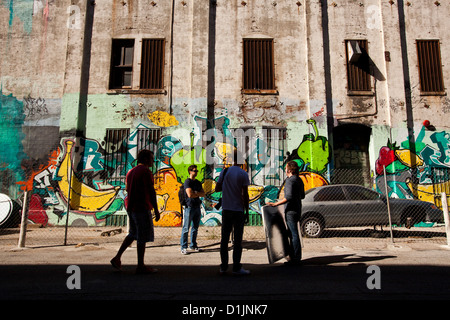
[(385, 158)]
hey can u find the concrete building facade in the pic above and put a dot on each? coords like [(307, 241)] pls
[(347, 89)]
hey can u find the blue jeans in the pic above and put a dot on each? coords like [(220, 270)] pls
[(232, 221), (292, 221), (192, 217)]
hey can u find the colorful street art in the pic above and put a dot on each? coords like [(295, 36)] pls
[(408, 168), (74, 180), (13, 117), (163, 119), (313, 152), (78, 181)]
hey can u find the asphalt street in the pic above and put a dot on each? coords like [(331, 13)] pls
[(348, 270)]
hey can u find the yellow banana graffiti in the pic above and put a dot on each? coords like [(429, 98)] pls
[(408, 158), (82, 197), (255, 192)]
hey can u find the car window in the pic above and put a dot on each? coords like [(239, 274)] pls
[(330, 194), (360, 193)]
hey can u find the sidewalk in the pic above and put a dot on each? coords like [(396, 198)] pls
[(333, 268)]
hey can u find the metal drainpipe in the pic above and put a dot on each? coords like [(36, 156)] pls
[(171, 58)]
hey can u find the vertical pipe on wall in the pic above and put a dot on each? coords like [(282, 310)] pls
[(211, 63), (327, 73), (170, 95), (210, 104), (406, 76), (85, 68)]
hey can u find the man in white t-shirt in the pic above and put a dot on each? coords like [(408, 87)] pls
[(233, 182)]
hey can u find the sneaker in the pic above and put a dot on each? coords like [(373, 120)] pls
[(184, 251), (196, 249), (242, 272), (222, 271)]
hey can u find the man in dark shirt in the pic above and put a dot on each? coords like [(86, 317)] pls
[(233, 182), (294, 192), (140, 200), (192, 212)]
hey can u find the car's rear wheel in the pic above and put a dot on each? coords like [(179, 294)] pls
[(312, 227)]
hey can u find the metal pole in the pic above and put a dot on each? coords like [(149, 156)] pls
[(388, 206), (24, 221), (446, 217), (68, 204)]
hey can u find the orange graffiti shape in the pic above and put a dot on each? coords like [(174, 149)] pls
[(51, 164), (167, 187)]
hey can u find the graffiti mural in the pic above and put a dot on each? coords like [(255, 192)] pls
[(12, 154), (80, 177), (409, 168), (313, 152), (75, 178)]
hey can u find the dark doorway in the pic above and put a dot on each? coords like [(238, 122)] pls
[(351, 155)]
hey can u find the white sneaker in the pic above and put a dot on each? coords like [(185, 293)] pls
[(242, 272), (184, 251)]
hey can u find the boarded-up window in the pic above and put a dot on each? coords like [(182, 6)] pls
[(430, 67), (358, 66), (258, 66), (121, 63), (152, 64)]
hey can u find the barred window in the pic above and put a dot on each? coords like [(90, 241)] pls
[(116, 153), (358, 66), (117, 150), (147, 139), (263, 153), (258, 65), (121, 74), (152, 64), (430, 67)]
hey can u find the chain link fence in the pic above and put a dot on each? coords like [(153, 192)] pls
[(346, 204)]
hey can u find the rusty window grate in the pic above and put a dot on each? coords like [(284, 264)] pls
[(147, 139), (152, 64), (116, 155), (263, 151), (430, 66), (258, 67), (358, 69), (117, 148), (121, 63)]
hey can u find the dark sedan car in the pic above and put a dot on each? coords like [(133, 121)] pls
[(353, 205)]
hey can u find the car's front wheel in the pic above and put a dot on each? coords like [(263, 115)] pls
[(312, 227)]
